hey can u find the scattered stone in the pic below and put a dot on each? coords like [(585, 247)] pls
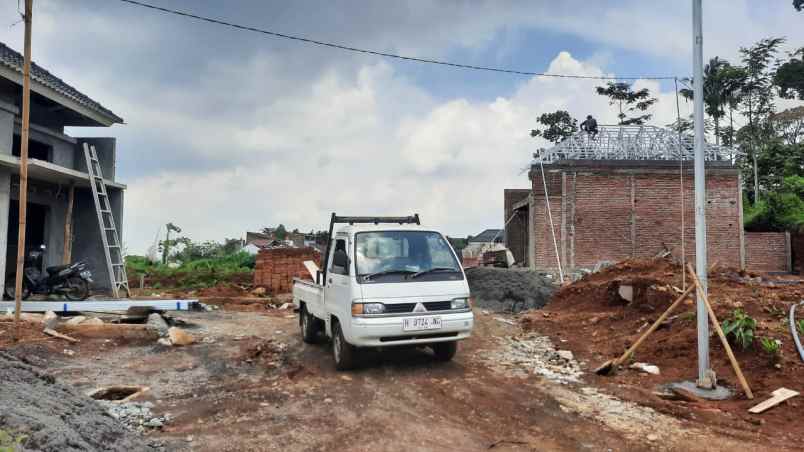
[(135, 416), (164, 341), (180, 337), (327, 400), (68, 352), (286, 306), (51, 320), (647, 368), (566, 354), (532, 353), (652, 437), (626, 292), (156, 322), (77, 320), (259, 292)]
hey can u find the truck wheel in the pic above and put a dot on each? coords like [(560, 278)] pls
[(309, 326), (445, 351), (345, 354)]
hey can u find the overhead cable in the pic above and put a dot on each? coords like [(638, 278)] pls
[(383, 54)]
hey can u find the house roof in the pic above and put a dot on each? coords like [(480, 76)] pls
[(488, 236), (13, 60)]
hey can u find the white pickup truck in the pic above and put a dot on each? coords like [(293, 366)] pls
[(386, 281)]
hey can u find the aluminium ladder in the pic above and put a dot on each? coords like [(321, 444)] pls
[(115, 263)]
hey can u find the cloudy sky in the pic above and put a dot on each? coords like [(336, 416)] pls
[(228, 131)]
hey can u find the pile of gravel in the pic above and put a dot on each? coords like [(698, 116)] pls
[(134, 415), (56, 417), (508, 290)]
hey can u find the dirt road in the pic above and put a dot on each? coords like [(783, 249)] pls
[(251, 384)]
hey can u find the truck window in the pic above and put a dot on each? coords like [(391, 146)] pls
[(395, 256), (340, 248)]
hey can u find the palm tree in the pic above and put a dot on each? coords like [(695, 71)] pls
[(716, 91)]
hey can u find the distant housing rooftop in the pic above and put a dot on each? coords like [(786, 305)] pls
[(488, 236), (11, 63)]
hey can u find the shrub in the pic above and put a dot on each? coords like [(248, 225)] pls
[(800, 325), (772, 347), (740, 328), (10, 442)]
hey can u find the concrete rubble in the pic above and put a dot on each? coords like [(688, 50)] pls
[(135, 416), (532, 353)]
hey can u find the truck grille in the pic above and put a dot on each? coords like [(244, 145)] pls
[(401, 308)]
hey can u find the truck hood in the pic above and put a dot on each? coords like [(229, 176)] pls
[(421, 291)]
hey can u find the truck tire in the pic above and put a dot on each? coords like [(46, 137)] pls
[(345, 354), (309, 326), (445, 351)]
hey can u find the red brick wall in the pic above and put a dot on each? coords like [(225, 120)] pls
[(766, 251), (797, 242), (276, 268), (609, 212)]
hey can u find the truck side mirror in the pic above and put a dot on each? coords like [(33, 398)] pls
[(340, 259)]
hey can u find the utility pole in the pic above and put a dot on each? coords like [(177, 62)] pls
[(24, 136), (704, 373)]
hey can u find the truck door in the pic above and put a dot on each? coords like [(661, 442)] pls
[(337, 295)]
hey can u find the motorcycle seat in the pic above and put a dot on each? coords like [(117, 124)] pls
[(55, 269)]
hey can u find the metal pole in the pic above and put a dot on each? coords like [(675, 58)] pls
[(704, 374), (23, 197)]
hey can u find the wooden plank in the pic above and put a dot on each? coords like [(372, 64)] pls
[(68, 227), (734, 364), (779, 396), (58, 335), (24, 138)]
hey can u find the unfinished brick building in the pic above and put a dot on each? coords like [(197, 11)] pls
[(620, 196)]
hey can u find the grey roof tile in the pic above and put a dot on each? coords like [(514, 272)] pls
[(14, 60)]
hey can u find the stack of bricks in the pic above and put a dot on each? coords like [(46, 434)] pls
[(276, 267)]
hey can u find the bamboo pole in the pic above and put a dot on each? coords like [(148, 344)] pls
[(68, 227), (734, 364), (24, 137)]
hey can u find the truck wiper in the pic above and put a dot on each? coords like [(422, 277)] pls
[(370, 276), (432, 270)]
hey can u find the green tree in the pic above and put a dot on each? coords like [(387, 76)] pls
[(722, 82), (628, 102), (758, 105), (798, 5), (789, 125), (789, 77), (558, 126), (280, 232)]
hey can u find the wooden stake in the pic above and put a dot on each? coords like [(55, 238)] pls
[(608, 366), (734, 364), (68, 227), (24, 137)]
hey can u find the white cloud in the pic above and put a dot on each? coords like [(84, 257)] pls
[(346, 146)]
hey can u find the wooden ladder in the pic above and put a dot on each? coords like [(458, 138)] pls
[(115, 262)]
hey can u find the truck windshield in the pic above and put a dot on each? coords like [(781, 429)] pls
[(404, 256)]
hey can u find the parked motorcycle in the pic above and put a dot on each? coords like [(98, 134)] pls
[(70, 280)]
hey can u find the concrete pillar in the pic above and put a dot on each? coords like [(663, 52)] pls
[(7, 113)]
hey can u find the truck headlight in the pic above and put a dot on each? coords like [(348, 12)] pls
[(368, 308), (460, 303)]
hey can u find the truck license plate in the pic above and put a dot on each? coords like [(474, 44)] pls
[(421, 323)]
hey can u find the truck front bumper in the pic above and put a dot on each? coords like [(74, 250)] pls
[(388, 331)]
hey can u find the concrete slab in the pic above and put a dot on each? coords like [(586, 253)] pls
[(719, 393)]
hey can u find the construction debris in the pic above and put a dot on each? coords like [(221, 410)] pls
[(647, 368), (158, 323), (58, 335), (179, 337), (779, 396)]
